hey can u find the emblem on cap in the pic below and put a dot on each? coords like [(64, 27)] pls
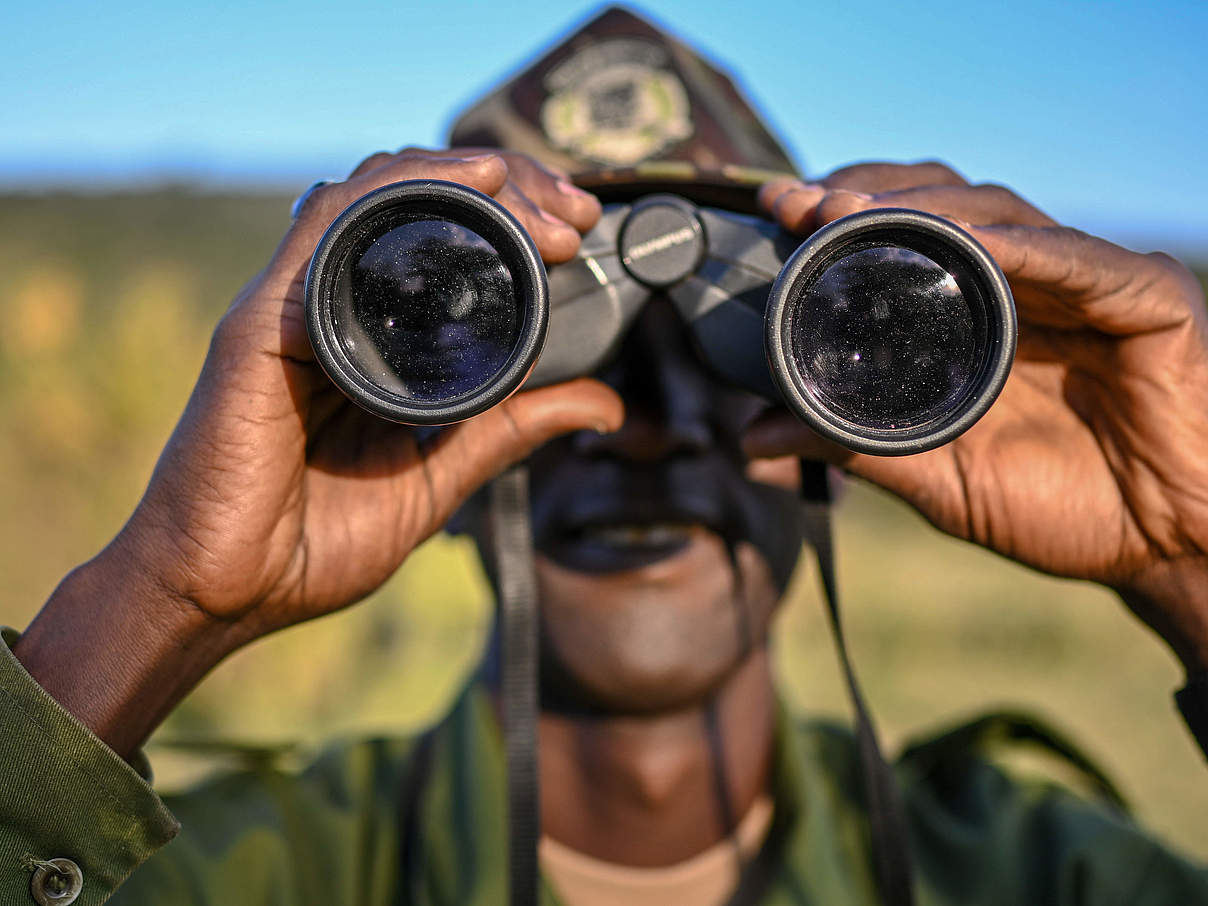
[(616, 102)]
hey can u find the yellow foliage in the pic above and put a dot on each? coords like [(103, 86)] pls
[(45, 310)]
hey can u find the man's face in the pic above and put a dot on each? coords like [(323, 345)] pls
[(655, 570)]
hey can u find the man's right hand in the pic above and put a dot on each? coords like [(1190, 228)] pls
[(276, 499)]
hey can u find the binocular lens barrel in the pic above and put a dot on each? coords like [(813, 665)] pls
[(890, 331), (885, 338), (426, 303), (436, 302)]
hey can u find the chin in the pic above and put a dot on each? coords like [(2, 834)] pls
[(660, 637)]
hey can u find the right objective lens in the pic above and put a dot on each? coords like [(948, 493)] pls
[(886, 338), (890, 331)]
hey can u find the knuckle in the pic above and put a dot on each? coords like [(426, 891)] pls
[(554, 171), (320, 203), (1082, 246), (789, 211), (937, 169), (514, 197), (521, 160), (532, 173), (1175, 271), (774, 188), (1168, 263), (324, 202), (995, 190), (839, 203), (373, 161), (1001, 196), (1072, 236), (830, 205)]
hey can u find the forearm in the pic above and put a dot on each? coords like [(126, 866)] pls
[(117, 649)]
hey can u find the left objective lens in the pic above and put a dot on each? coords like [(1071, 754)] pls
[(426, 303), (437, 304)]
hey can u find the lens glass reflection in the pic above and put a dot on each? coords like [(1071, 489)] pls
[(885, 338), (430, 310)]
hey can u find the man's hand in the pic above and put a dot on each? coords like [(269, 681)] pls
[(276, 499), (1093, 463)]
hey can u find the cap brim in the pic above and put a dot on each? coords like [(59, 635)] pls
[(733, 188)]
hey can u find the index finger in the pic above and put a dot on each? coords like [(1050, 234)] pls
[(555, 194), (487, 173), (547, 186), (887, 176), (1060, 274)]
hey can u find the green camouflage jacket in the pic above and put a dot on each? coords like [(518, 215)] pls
[(361, 826)]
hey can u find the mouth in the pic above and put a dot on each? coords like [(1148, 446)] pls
[(618, 520), (618, 546)]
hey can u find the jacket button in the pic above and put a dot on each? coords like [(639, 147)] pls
[(57, 882)]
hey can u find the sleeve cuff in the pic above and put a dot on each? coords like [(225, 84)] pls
[(1192, 700), (66, 795)]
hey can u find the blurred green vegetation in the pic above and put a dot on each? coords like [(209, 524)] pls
[(109, 303)]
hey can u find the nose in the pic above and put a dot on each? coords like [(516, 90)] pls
[(669, 398)]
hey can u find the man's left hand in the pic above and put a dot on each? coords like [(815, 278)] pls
[(1093, 463)]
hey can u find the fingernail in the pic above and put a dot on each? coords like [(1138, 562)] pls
[(601, 428), (550, 218), (569, 188), (477, 157)]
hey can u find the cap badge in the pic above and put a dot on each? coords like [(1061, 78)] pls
[(616, 102)]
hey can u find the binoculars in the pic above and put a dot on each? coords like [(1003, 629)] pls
[(889, 331)]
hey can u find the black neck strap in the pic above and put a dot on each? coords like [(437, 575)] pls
[(886, 816)]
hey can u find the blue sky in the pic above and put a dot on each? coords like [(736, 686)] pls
[(1096, 111)]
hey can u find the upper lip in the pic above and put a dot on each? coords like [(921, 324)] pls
[(606, 493)]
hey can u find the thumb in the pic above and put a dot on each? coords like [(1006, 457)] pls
[(919, 479), (468, 455)]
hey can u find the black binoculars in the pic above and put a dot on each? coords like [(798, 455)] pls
[(889, 331)]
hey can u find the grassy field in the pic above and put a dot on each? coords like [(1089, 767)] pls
[(109, 304)]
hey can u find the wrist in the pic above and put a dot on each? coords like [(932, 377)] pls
[(1172, 597), (1192, 701), (118, 649)]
